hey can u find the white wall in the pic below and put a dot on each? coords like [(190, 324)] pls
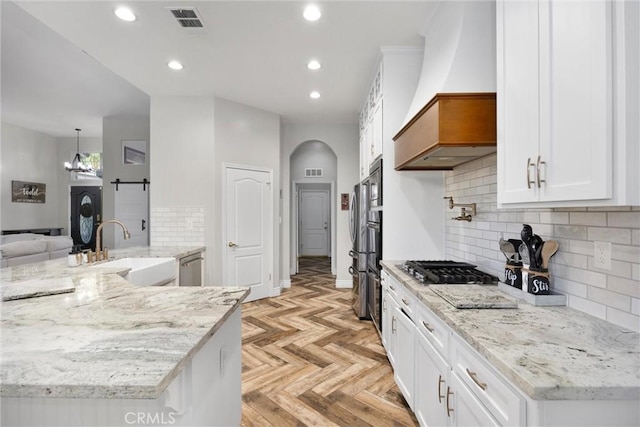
[(313, 154), (115, 129), (459, 53), (343, 140), (249, 137), (182, 173), (29, 156)]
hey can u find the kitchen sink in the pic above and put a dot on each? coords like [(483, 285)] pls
[(144, 271)]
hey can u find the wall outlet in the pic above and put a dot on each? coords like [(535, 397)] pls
[(602, 255)]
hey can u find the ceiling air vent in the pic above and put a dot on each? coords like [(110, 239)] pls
[(313, 172), (188, 18)]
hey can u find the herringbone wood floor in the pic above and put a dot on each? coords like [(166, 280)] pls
[(307, 359)]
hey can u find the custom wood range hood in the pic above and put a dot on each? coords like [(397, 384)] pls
[(452, 129)]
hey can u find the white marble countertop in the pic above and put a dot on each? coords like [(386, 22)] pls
[(550, 353), (108, 338)]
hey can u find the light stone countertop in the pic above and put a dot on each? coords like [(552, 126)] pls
[(108, 338), (550, 353)]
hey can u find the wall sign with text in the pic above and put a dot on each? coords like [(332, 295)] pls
[(28, 192)]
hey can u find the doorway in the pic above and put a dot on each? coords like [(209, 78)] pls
[(85, 215), (314, 226)]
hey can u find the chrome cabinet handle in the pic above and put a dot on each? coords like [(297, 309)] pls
[(393, 325), (449, 408), (384, 306), (440, 395), (392, 287), (529, 164), (538, 163), (474, 377), (232, 245), (427, 326), (405, 302)]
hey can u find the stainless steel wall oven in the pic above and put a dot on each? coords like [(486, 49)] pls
[(374, 232)]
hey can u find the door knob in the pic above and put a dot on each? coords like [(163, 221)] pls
[(232, 245)]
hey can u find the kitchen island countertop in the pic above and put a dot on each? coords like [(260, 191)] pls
[(550, 353), (108, 338)]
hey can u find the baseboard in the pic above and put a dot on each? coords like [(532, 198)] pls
[(344, 284), (275, 292), (285, 283)]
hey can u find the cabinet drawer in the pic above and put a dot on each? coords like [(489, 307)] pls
[(433, 329), (404, 298), (504, 403)]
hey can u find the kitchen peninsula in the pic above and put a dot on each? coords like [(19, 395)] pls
[(111, 353)]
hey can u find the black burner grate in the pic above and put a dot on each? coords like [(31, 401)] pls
[(447, 272)]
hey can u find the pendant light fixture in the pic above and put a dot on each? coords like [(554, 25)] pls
[(76, 164)]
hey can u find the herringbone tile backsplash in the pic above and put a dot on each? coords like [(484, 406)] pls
[(613, 295)]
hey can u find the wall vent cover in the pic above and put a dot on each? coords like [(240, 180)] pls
[(188, 18), (313, 172)]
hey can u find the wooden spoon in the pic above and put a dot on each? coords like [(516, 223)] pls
[(549, 248)]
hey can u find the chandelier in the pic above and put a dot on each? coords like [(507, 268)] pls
[(76, 164)]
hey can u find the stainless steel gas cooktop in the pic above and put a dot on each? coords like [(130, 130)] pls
[(447, 272)]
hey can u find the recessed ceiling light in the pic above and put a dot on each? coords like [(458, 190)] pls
[(315, 94), (313, 65), (312, 13), (175, 65), (125, 14)]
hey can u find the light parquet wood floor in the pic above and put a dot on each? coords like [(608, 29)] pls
[(308, 361)]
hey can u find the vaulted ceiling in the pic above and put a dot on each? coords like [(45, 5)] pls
[(68, 64)]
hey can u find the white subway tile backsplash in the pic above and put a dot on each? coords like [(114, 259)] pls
[(623, 219), (592, 278), (613, 295), (624, 286), (623, 318), (610, 299), (570, 231), (177, 226), (613, 235), (588, 218)]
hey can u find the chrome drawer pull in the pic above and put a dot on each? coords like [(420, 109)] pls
[(529, 164), (474, 377), (427, 326), (392, 287), (405, 302), (538, 180), (440, 382), (449, 408)]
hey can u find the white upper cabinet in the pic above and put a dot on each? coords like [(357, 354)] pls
[(371, 125), (562, 69)]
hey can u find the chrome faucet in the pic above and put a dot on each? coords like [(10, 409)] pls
[(100, 253), (464, 214)]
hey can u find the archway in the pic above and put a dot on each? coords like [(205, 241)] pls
[(313, 172)]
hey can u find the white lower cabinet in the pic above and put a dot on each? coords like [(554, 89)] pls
[(431, 375), (404, 368), (463, 408)]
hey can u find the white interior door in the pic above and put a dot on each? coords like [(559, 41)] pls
[(132, 209), (248, 231), (314, 223)]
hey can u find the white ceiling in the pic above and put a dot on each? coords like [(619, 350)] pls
[(252, 52)]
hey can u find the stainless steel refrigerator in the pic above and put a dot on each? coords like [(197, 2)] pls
[(358, 208)]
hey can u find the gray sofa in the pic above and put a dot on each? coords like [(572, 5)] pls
[(16, 249)]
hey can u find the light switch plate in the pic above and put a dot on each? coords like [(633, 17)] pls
[(602, 255)]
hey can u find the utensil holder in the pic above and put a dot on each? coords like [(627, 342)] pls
[(513, 274), (536, 282)]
